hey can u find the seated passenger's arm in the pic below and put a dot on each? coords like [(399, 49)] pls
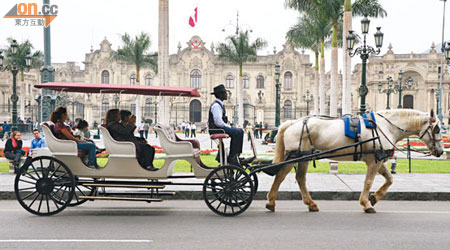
[(69, 136), (216, 110)]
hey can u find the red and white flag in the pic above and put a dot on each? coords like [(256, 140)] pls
[(193, 20)]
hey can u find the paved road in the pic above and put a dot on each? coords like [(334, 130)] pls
[(190, 225)]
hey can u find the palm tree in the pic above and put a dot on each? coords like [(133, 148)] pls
[(238, 51), (334, 10), (37, 60), (309, 33), (135, 51)]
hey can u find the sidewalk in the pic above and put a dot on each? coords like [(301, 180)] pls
[(323, 186)]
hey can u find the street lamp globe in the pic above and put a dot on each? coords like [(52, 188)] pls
[(410, 82), (28, 59), (277, 70), (365, 25), (400, 75), (351, 40), (379, 38), (1, 59), (447, 52), (14, 46), (380, 86)]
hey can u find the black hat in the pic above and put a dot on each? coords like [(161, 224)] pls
[(219, 89)]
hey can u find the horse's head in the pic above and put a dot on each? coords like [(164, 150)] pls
[(431, 135)]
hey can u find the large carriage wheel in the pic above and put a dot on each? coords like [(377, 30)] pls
[(81, 190), (45, 186), (228, 190)]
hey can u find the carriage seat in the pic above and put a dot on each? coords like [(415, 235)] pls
[(58, 146), (219, 136), (173, 145), (122, 149)]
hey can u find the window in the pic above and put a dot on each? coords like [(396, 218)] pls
[(105, 76), (260, 82), (229, 82), (245, 82), (133, 108), (408, 102), (148, 107), (133, 79), (105, 106), (196, 78), (148, 80), (288, 80), (287, 109), (195, 111), (246, 108)]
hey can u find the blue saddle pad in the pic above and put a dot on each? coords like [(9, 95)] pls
[(348, 132), (367, 123)]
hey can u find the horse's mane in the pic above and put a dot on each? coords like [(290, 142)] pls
[(413, 118)]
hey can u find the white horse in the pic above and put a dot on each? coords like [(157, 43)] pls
[(326, 134)]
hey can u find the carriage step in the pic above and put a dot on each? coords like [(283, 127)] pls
[(123, 185), (139, 193), (119, 198)]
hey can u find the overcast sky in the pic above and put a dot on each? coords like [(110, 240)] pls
[(411, 25)]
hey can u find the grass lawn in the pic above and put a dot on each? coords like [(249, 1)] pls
[(418, 166)]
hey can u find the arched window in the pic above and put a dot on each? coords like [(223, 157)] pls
[(408, 102), (105, 106), (148, 80), (229, 82), (148, 107), (196, 78), (195, 111), (287, 109), (260, 82), (133, 79), (245, 82), (105, 76), (288, 80)]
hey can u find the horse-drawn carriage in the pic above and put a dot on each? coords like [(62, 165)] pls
[(48, 184)]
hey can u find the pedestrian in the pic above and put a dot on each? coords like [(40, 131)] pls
[(260, 130), (183, 126), (141, 129), (193, 128), (6, 130), (13, 149), (187, 130), (256, 131), (146, 129)]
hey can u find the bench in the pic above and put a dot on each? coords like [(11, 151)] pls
[(334, 164)]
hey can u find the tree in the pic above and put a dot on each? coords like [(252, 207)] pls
[(334, 9), (309, 33), (37, 60), (135, 51), (238, 51)]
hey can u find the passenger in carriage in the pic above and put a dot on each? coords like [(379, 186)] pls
[(217, 122), (64, 132), (121, 126)]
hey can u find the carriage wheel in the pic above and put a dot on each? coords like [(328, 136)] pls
[(45, 186), (81, 190), (228, 190), (254, 179)]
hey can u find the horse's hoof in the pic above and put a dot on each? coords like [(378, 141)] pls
[(370, 210), (313, 208), (372, 200), (270, 207)]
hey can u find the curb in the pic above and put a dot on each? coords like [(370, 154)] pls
[(291, 195)]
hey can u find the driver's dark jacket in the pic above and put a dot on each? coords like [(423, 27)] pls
[(122, 133)]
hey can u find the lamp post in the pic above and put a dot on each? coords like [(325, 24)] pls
[(277, 97), (364, 51), (14, 68), (116, 99), (308, 97), (389, 90), (399, 87)]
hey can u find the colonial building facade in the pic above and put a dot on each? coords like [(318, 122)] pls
[(197, 66)]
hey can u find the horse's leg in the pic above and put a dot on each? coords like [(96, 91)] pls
[(272, 195), (372, 169), (381, 192), (301, 179)]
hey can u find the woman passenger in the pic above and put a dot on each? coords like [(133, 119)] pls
[(64, 132), (124, 131), (13, 149)]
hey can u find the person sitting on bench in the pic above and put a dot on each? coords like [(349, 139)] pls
[(13, 149), (64, 132), (217, 123), (124, 131)]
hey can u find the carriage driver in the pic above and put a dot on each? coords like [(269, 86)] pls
[(217, 123)]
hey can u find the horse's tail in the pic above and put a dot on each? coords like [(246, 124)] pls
[(279, 146)]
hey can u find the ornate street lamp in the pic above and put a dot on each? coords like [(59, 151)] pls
[(116, 99), (307, 98), (260, 96), (447, 53), (277, 97), (389, 90), (364, 51), (14, 69), (399, 87)]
